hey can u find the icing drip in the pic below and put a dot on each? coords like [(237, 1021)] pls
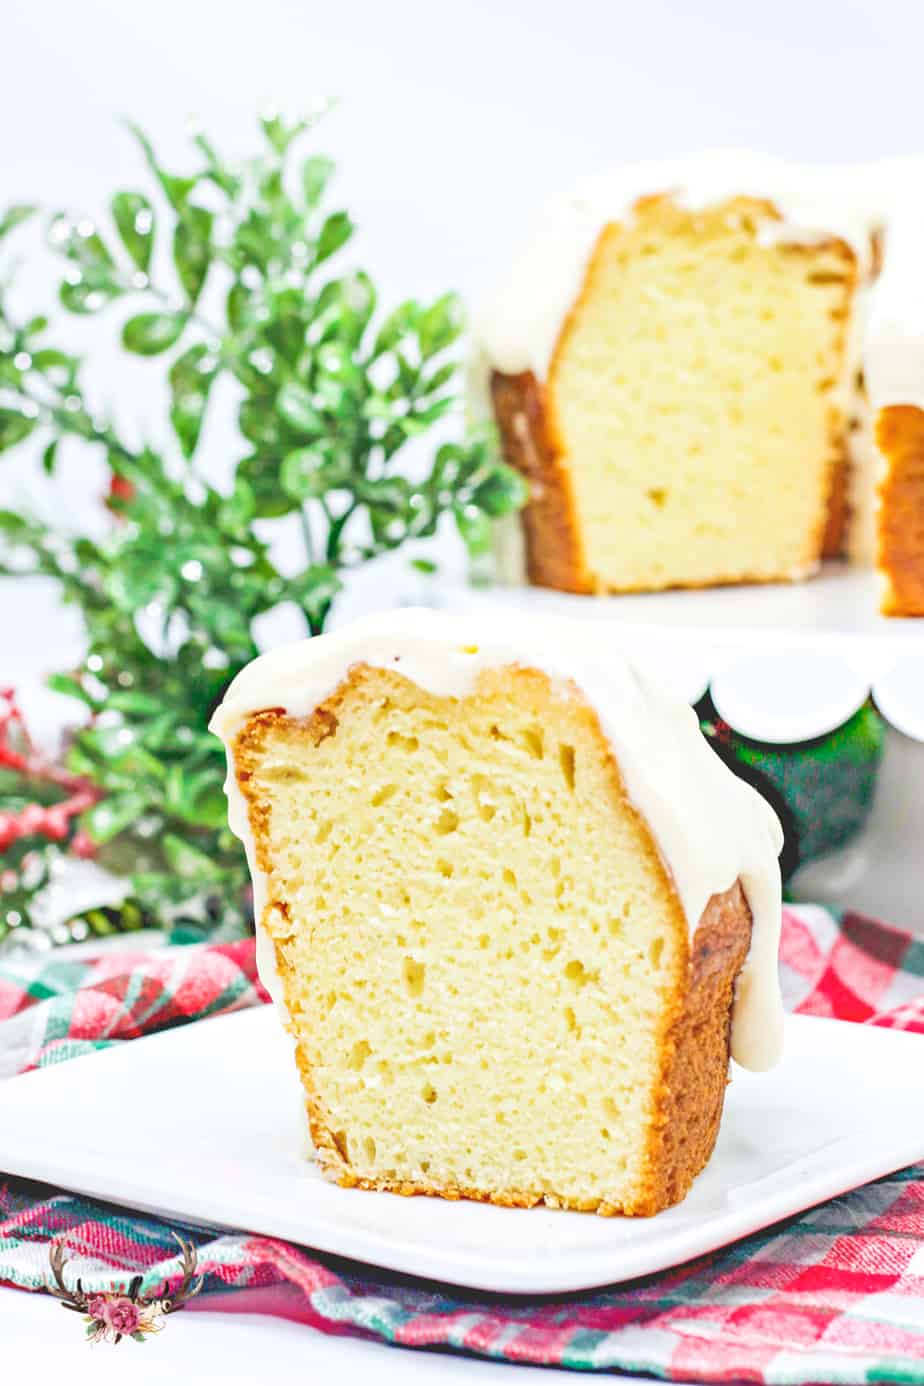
[(711, 828)]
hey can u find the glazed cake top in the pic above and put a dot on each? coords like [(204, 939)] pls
[(518, 328), (711, 828)]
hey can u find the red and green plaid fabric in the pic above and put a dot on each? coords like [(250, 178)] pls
[(835, 1295), (55, 1008)]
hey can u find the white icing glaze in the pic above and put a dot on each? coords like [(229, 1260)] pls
[(711, 828), (519, 328)]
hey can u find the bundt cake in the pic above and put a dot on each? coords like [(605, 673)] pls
[(512, 908), (712, 371)]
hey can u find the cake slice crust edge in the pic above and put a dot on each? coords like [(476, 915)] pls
[(529, 418), (694, 1043)]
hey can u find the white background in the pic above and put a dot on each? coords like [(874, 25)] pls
[(455, 121)]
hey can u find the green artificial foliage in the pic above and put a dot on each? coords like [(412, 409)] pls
[(329, 393), (828, 783)]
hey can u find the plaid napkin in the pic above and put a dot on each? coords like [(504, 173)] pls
[(835, 1295)]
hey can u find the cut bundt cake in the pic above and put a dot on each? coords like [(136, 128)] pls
[(712, 371), (514, 911)]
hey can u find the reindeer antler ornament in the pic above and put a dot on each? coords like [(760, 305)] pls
[(116, 1314)]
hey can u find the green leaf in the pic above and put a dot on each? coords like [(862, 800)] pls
[(408, 377), (148, 334), (336, 359), (315, 588), (192, 249), (91, 280), (240, 306), (310, 472), (49, 457), (60, 368), (421, 420), (272, 190), (211, 805), (217, 173), (132, 764), (336, 231), (294, 402), (387, 493), (440, 377), (83, 296), (14, 216), (238, 509), (137, 580), (14, 427), (255, 241), (113, 815), (81, 242), (13, 525), (35, 326), (134, 219), (259, 475), (196, 796), (188, 860), (316, 173), (71, 687), (135, 704), (501, 492), (452, 465), (355, 306), (399, 323), (191, 377), (175, 189), (279, 134), (258, 423), (424, 565), (474, 527), (440, 325)]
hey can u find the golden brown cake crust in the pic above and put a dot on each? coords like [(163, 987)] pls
[(531, 443), (834, 544), (900, 438), (554, 555), (697, 1051), (696, 1029)]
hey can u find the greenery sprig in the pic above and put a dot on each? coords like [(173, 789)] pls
[(331, 398)]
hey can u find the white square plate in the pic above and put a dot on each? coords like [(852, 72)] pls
[(201, 1122)]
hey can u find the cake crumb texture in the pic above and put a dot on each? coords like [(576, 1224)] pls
[(485, 966), (691, 430)]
